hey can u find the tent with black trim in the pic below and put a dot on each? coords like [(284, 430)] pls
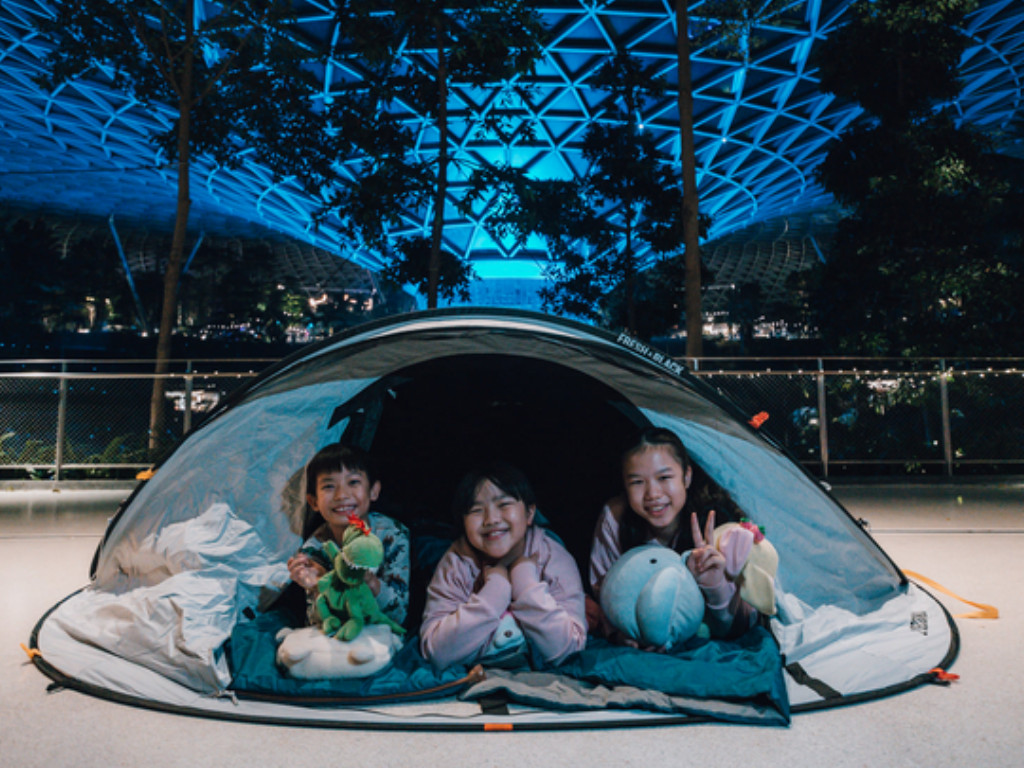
[(193, 554)]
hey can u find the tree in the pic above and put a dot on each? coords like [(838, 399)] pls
[(412, 267), (690, 204), (235, 76), (433, 45), (659, 295), (623, 209), (794, 309), (912, 269), (733, 22)]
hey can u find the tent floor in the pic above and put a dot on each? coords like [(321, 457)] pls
[(968, 536)]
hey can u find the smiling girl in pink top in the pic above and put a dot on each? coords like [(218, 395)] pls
[(502, 568), (660, 505)]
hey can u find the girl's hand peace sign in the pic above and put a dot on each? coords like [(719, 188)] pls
[(705, 562), (707, 565)]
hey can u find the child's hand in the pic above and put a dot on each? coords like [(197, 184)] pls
[(707, 564), (304, 571), (534, 558), (620, 638), (373, 582), (598, 622), (499, 570)]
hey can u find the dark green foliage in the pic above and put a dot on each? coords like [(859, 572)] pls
[(5, 456), (234, 285), (659, 294), (410, 267), (623, 212), (244, 80), (896, 58), (794, 308), (744, 308), (411, 53), (927, 261), (123, 449)]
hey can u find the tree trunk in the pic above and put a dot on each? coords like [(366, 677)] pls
[(691, 200), (441, 192), (630, 277), (157, 405)]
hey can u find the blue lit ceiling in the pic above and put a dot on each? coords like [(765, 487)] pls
[(762, 126)]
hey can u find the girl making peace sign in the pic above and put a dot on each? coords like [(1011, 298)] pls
[(657, 477)]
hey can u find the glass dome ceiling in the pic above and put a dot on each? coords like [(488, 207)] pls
[(762, 127)]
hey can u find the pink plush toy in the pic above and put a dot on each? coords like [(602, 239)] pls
[(751, 562)]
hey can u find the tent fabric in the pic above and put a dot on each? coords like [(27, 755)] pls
[(176, 596), (829, 550), (204, 542)]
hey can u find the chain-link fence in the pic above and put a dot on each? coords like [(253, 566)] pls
[(67, 419), (839, 416)]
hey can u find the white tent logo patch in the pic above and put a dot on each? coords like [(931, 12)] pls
[(919, 622)]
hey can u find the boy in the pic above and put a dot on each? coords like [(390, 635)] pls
[(340, 482)]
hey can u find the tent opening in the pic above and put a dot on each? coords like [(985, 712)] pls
[(427, 424)]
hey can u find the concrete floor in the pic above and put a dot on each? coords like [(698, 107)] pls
[(968, 537)]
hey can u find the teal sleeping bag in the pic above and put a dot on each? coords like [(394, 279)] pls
[(734, 681), (251, 653), (737, 681), (745, 668)]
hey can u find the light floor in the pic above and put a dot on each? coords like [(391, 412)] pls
[(967, 536)]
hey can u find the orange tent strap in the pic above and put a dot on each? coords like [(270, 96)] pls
[(984, 612), (30, 652), (943, 676)]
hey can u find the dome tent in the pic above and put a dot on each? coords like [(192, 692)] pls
[(201, 544)]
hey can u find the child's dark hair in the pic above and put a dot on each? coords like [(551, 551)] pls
[(508, 478), (335, 457), (702, 496)]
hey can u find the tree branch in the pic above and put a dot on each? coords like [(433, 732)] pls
[(167, 72)]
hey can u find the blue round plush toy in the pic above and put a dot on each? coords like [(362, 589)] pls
[(651, 596)]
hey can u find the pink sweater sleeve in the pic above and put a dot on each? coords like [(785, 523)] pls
[(732, 619), (547, 600), (604, 550), (457, 622), (726, 613)]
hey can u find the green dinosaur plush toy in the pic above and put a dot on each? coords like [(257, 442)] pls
[(345, 602)]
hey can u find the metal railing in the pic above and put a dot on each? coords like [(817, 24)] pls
[(90, 418), (75, 418), (855, 415)]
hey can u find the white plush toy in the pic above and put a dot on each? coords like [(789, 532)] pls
[(310, 654), (507, 646)]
